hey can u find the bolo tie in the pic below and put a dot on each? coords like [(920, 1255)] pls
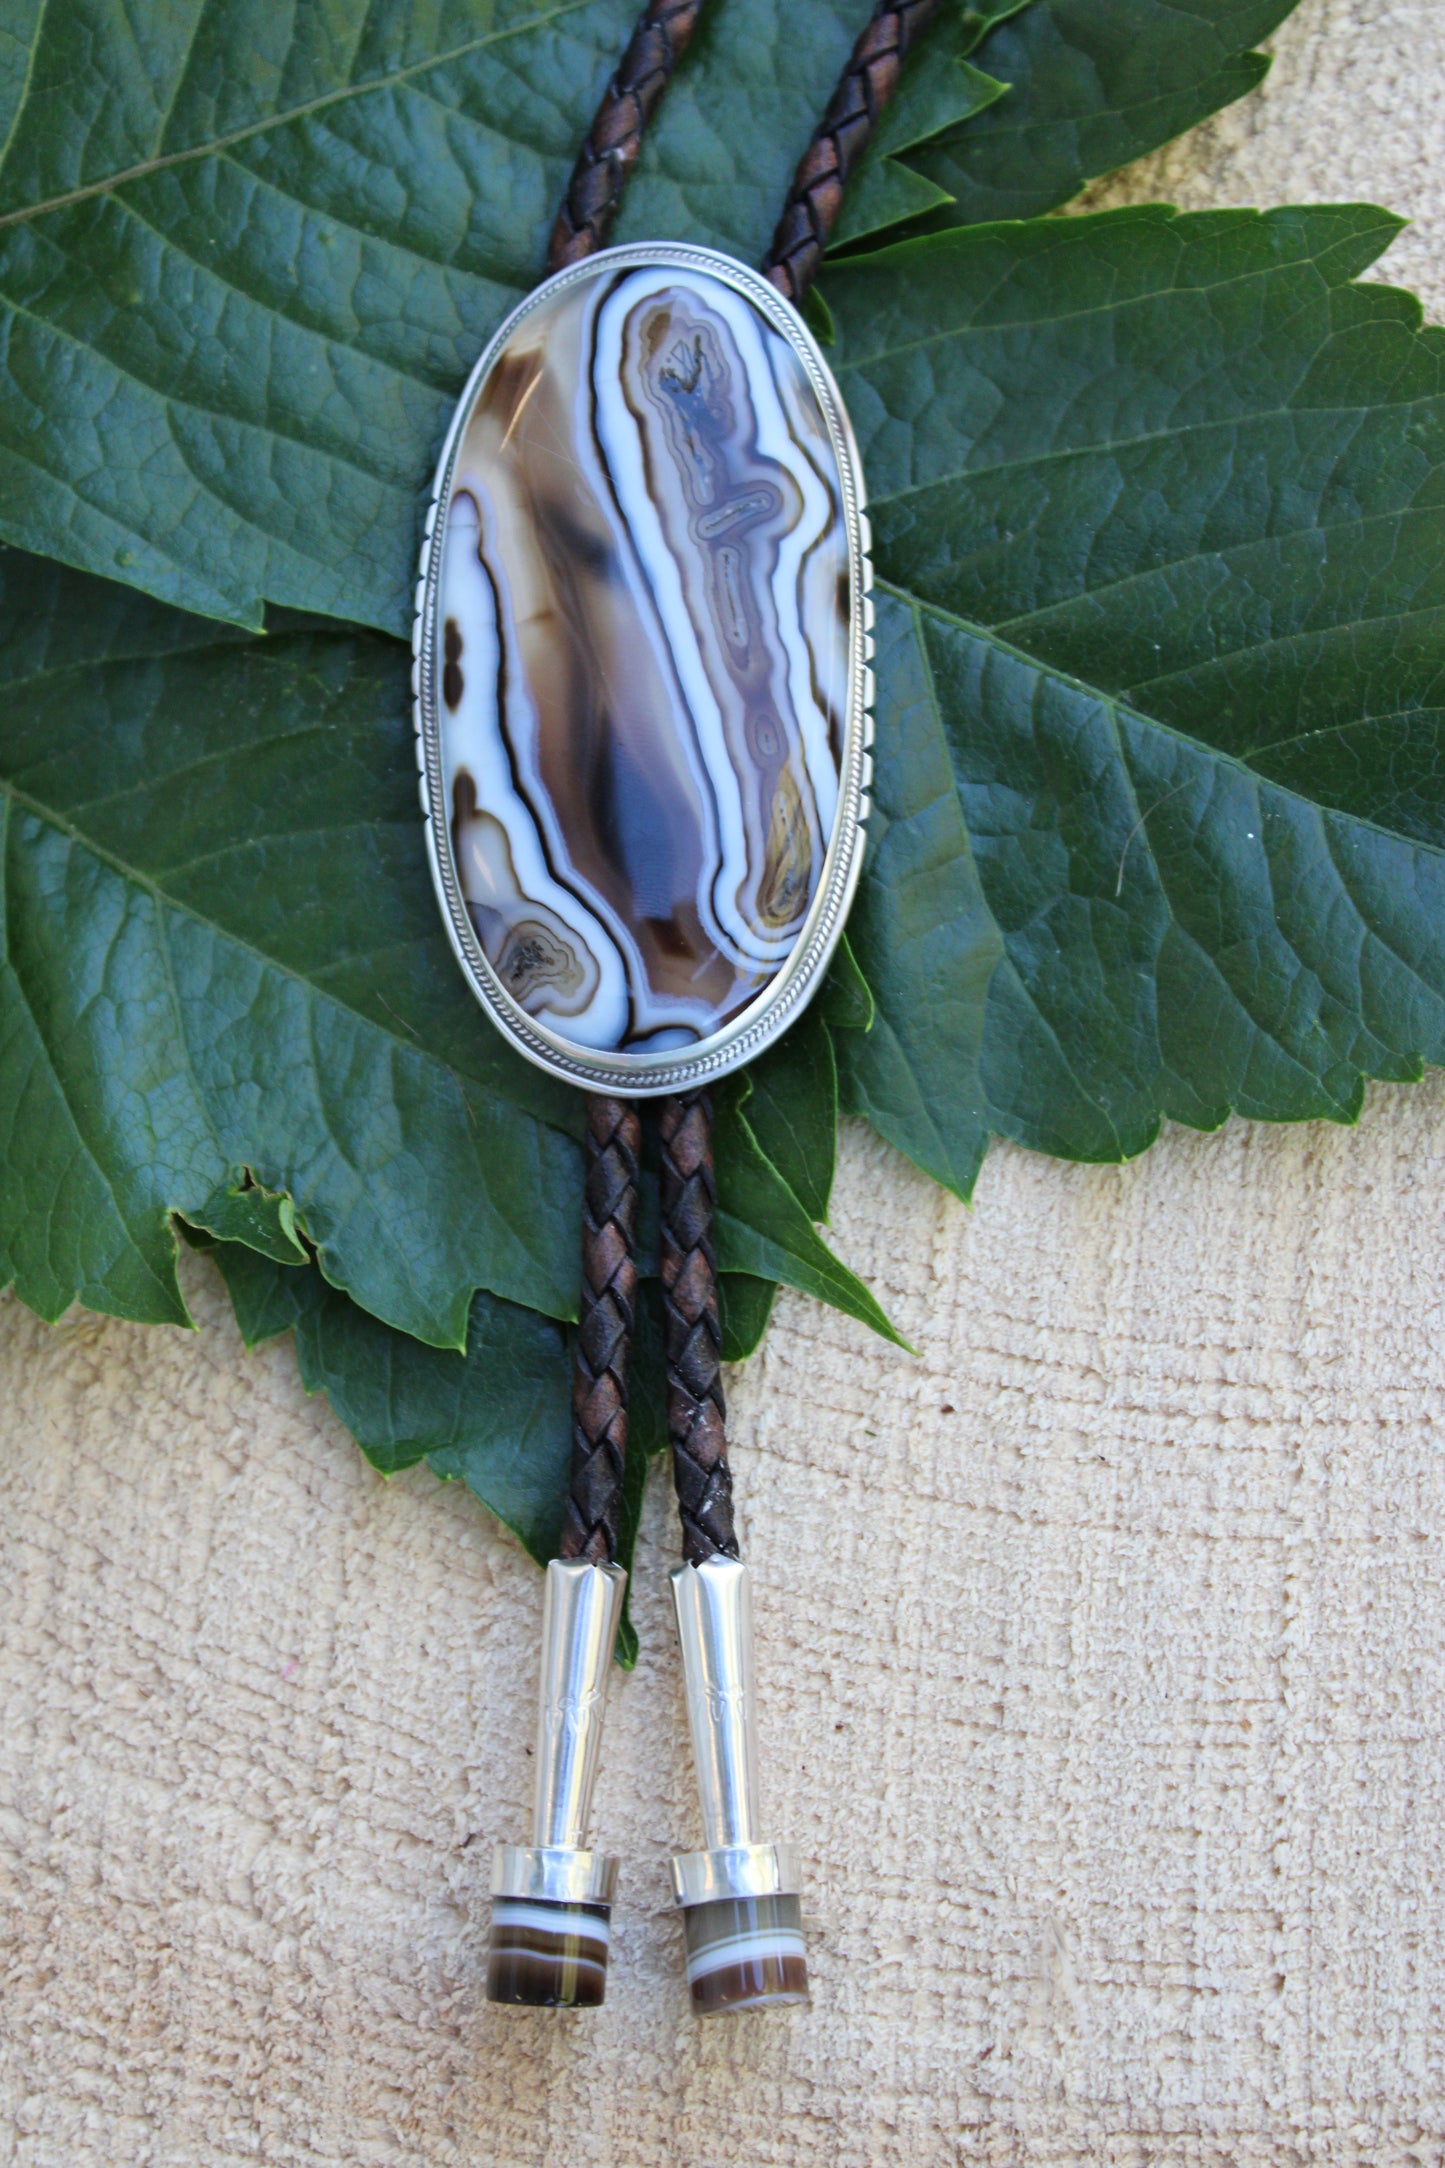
[(643, 701)]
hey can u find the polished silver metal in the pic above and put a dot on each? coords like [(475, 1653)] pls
[(647, 1075), (714, 1608), (736, 1870), (581, 1611), (557, 1874)]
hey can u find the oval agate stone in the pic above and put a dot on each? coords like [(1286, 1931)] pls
[(641, 668)]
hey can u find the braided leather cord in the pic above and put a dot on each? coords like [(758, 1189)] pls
[(839, 141), (695, 1406), (615, 137), (603, 1348), (604, 1332)]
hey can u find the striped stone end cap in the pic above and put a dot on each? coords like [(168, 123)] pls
[(548, 1956), (745, 1953)]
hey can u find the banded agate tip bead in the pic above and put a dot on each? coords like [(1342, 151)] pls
[(745, 1953), (551, 1926), (546, 1954)]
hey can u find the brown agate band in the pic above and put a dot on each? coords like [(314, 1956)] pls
[(745, 1953), (548, 1956)]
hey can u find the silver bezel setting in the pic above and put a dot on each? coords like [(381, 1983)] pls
[(641, 1076), (736, 1870), (555, 1873)]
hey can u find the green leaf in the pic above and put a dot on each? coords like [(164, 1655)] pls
[(1093, 84), (247, 257), (718, 157), (497, 1418), (846, 1000), (745, 1305), (922, 926), (778, 1230), (220, 952), (1159, 513), (256, 1217), (793, 1110), (247, 260), (268, 1298), (938, 93), (818, 316)]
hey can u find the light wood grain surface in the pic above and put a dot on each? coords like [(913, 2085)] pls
[(1116, 1749)]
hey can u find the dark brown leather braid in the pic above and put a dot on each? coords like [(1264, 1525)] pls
[(695, 1407), (839, 141), (604, 1331), (603, 1348), (610, 151)]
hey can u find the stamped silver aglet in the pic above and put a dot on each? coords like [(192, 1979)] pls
[(552, 1898), (740, 1898)]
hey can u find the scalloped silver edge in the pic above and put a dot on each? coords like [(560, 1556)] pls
[(645, 1076)]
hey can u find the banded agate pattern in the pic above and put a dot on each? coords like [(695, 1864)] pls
[(642, 655)]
